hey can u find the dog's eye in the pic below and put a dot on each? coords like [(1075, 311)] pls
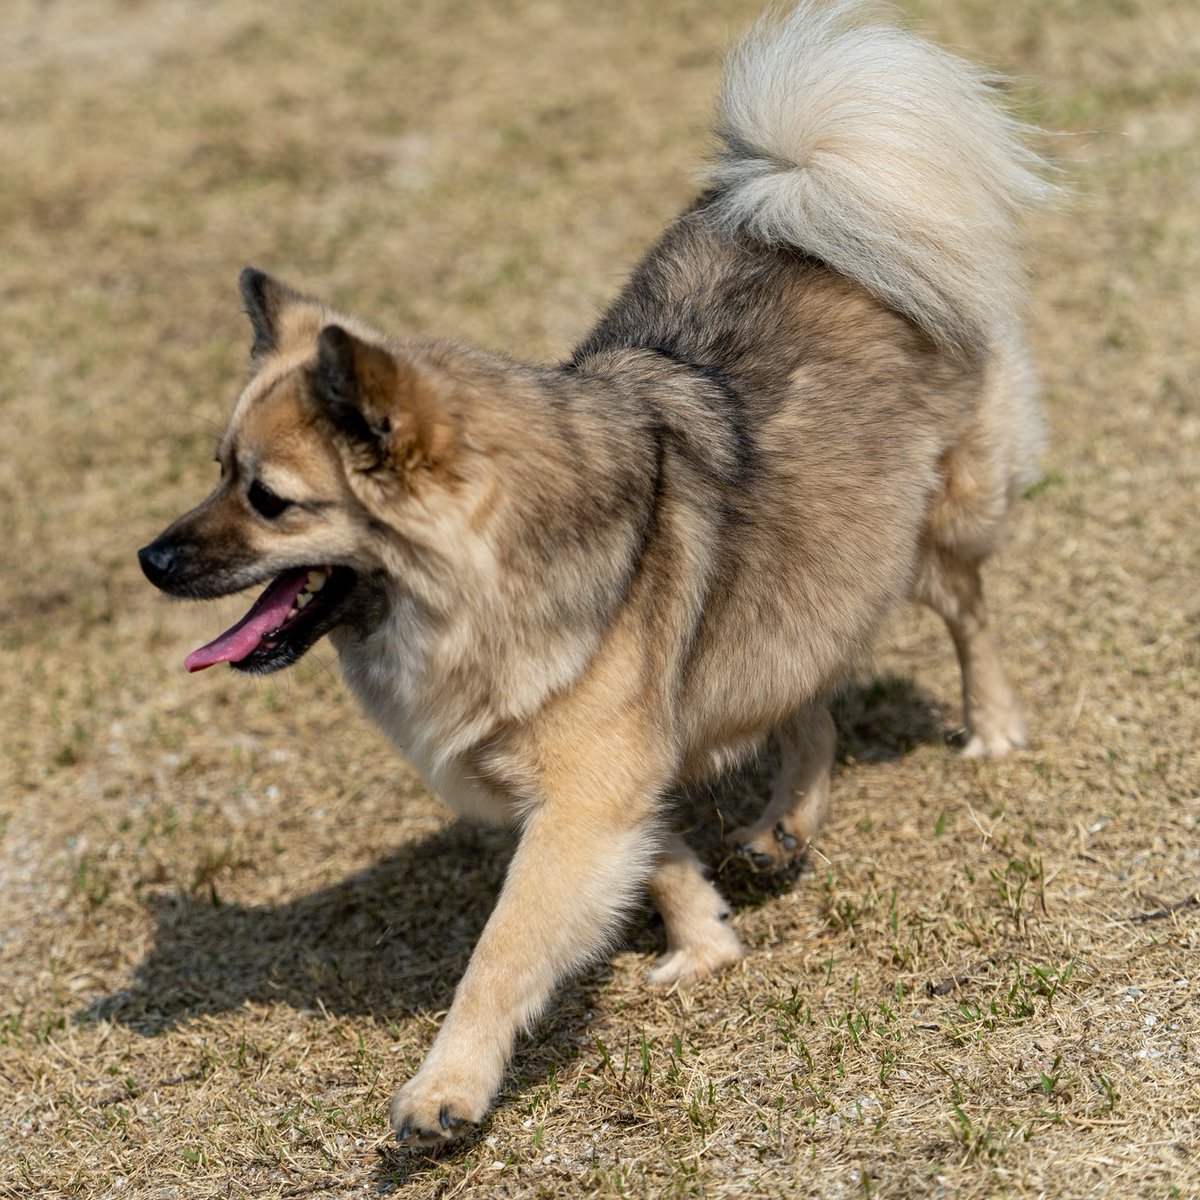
[(265, 502)]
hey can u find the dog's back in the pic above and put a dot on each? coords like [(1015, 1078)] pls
[(800, 461)]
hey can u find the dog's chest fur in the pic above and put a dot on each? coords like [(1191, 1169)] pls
[(388, 672), (440, 690)]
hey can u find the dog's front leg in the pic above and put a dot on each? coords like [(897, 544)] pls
[(577, 867)]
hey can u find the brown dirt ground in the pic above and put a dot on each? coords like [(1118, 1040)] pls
[(230, 916)]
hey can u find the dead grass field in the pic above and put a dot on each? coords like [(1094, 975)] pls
[(230, 916)]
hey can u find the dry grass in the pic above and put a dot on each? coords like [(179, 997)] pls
[(231, 916)]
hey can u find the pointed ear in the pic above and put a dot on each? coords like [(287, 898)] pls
[(264, 299), (383, 408), (354, 384)]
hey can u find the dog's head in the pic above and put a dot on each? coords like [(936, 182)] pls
[(335, 449)]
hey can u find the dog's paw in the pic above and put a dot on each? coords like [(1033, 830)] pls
[(720, 948), (766, 849), (995, 725), (426, 1112), (995, 739), (997, 746)]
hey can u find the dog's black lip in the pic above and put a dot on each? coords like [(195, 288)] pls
[(205, 583), (297, 635)]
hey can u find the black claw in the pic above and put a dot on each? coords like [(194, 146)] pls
[(785, 839), (408, 1134), (756, 857), (448, 1123)]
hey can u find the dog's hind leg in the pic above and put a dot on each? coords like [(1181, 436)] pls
[(700, 939), (800, 798), (983, 474), (954, 590)]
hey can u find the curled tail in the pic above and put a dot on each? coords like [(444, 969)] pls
[(886, 157)]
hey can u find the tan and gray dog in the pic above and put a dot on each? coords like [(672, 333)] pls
[(564, 590)]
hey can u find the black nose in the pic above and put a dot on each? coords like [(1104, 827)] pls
[(158, 560)]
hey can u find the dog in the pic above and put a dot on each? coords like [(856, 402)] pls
[(564, 591)]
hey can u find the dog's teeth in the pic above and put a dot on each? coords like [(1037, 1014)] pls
[(316, 580), (302, 599)]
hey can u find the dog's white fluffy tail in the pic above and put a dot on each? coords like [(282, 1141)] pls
[(888, 158)]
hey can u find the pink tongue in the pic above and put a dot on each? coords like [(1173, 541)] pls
[(269, 611)]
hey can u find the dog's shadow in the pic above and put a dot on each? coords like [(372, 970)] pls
[(390, 940), (393, 940)]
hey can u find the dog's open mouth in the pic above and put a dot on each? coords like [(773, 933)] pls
[(295, 610)]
